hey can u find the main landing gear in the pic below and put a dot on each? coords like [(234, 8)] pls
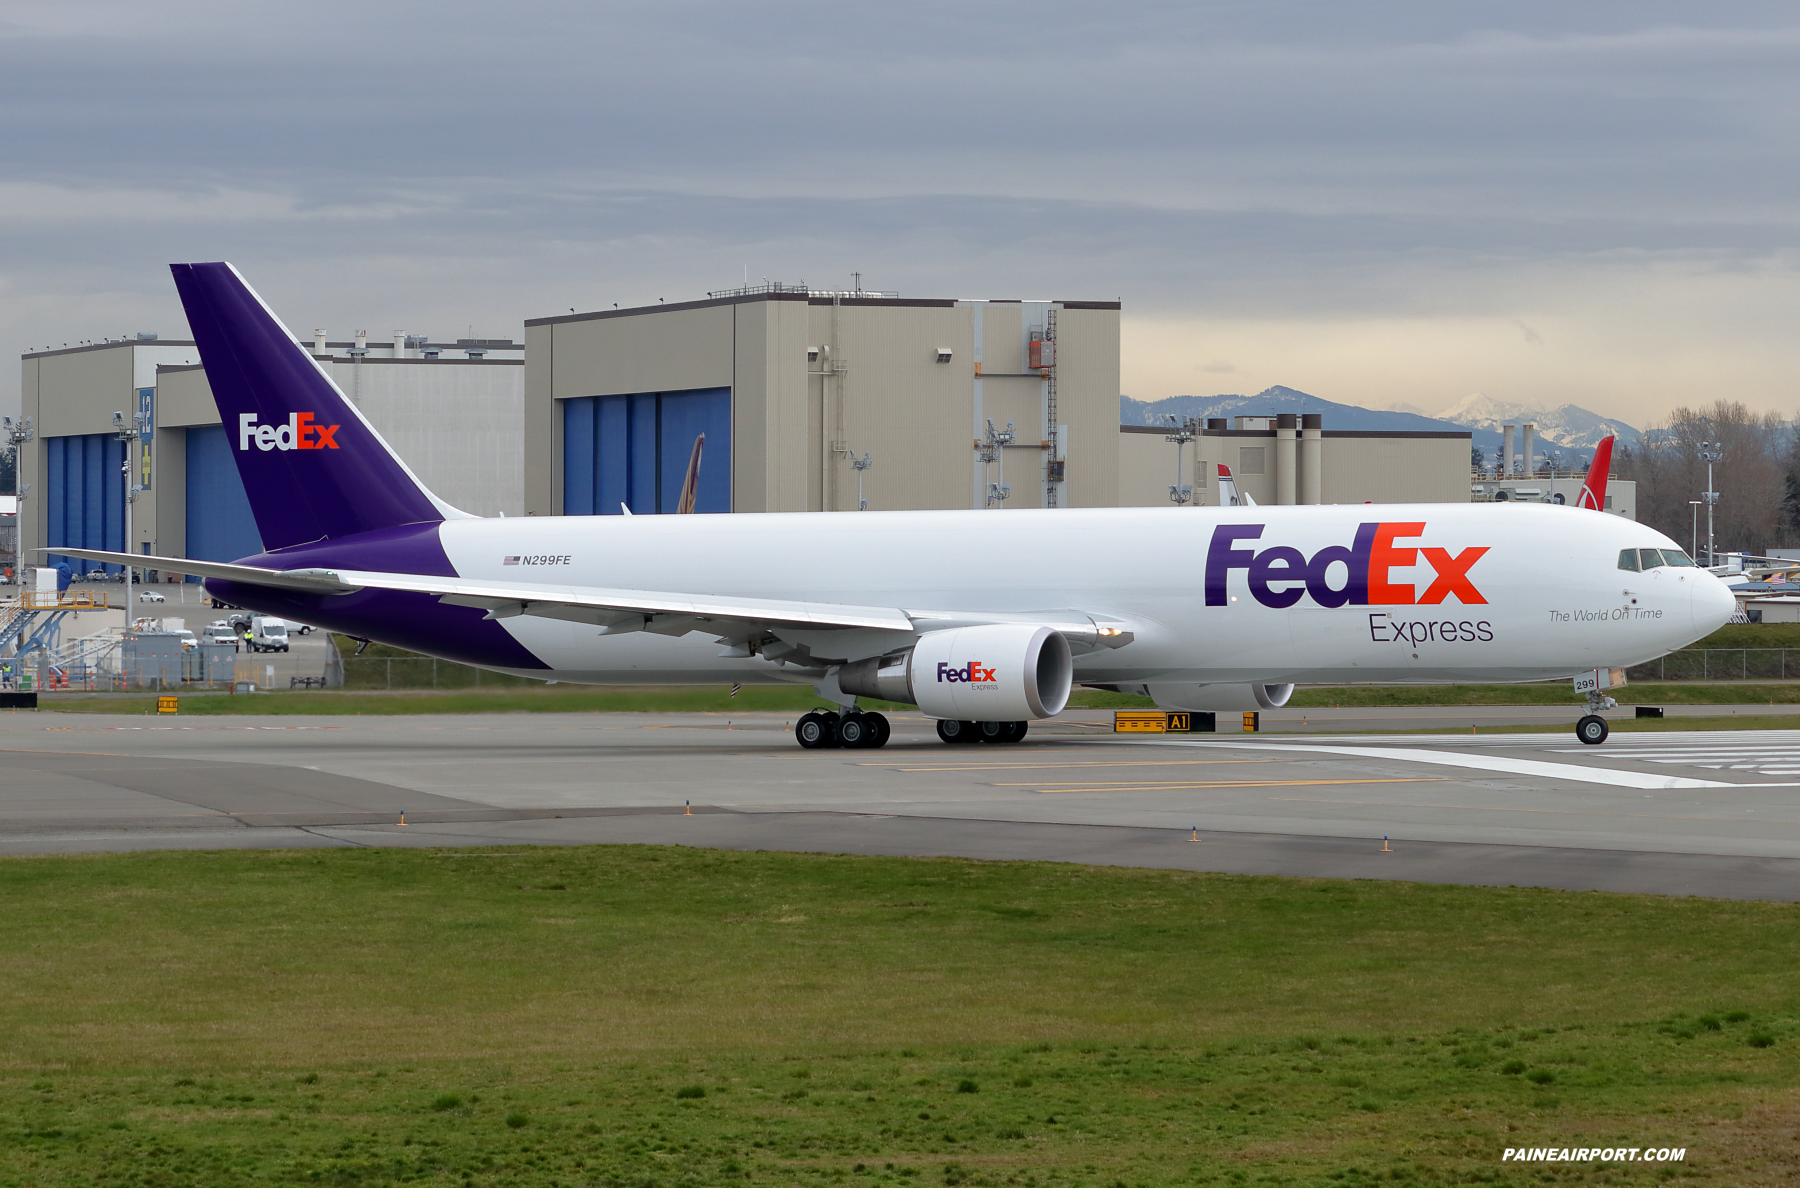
[(978, 732), (852, 728)]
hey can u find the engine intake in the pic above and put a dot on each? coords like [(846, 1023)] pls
[(1003, 672)]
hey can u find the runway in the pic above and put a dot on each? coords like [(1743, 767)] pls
[(1709, 813)]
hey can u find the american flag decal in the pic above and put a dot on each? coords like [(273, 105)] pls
[(510, 561)]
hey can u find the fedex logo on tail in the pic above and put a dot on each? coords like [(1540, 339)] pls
[(970, 673), (299, 432), (1280, 575)]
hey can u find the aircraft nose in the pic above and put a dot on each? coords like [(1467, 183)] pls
[(1713, 603)]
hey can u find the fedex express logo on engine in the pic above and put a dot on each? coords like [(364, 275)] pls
[(299, 432), (1280, 576), (970, 673)]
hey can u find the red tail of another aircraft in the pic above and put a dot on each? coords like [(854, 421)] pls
[(1593, 492)]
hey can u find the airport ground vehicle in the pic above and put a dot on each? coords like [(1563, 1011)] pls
[(222, 633), (267, 635), (981, 619), (151, 596)]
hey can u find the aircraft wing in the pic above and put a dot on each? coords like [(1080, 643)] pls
[(616, 610)]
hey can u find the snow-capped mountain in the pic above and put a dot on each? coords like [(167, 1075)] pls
[(1568, 428), (1566, 425)]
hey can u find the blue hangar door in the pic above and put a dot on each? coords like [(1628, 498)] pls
[(85, 497), (219, 524), (637, 450)]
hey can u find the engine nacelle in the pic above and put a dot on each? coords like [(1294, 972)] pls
[(1003, 672), (1212, 698)]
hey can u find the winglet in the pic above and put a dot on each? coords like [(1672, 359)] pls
[(1593, 492)]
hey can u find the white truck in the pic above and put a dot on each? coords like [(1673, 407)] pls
[(267, 635)]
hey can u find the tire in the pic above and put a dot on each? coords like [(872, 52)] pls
[(854, 730), (816, 731), (1592, 730), (1019, 734), (1001, 732), (883, 731), (955, 732)]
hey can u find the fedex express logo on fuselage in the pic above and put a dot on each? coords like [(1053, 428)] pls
[(1280, 575), (299, 432), (970, 673)]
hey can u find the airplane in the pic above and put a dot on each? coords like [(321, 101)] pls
[(984, 620)]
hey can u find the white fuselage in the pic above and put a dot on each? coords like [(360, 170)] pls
[(1545, 599)]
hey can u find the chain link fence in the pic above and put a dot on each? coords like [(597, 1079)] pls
[(1722, 664)]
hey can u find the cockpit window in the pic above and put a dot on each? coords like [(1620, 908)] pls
[(1677, 557), (1628, 559), (1649, 558)]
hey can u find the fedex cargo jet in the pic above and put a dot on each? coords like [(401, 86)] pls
[(984, 620)]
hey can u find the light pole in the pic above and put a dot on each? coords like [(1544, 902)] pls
[(1181, 432), (993, 449), (17, 434), (1694, 530), (1710, 452), (861, 503), (127, 432)]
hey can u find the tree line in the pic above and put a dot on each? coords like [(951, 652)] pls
[(1759, 493)]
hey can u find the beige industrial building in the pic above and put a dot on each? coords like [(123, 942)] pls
[(453, 411), (772, 398), (791, 387), (1290, 459)]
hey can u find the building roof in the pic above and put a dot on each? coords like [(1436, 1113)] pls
[(858, 302)]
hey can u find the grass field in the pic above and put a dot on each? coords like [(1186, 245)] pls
[(785, 699), (643, 1016)]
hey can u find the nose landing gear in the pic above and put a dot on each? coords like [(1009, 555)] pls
[(853, 728), (1592, 728)]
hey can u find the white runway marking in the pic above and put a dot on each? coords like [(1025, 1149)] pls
[(1771, 752), (1501, 764)]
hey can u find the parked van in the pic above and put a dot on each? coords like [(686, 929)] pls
[(221, 632), (268, 635)]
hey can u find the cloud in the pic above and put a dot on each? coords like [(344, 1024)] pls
[(1374, 198)]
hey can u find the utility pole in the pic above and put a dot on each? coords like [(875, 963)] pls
[(1710, 452), (1181, 432)]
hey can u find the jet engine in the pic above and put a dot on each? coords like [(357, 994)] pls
[(1209, 698), (1002, 672)]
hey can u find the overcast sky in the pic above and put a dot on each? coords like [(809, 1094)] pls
[(1377, 203)]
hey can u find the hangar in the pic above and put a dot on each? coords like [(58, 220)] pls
[(773, 397), (452, 410)]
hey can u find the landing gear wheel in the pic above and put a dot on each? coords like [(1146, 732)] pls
[(953, 731), (880, 728), (855, 730), (816, 731), (1592, 730), (1001, 732)]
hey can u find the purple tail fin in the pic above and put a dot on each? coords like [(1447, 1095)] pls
[(313, 468)]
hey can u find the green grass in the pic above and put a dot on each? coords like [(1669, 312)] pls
[(637, 1016), (1560, 693), (556, 699), (788, 699), (1753, 635)]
